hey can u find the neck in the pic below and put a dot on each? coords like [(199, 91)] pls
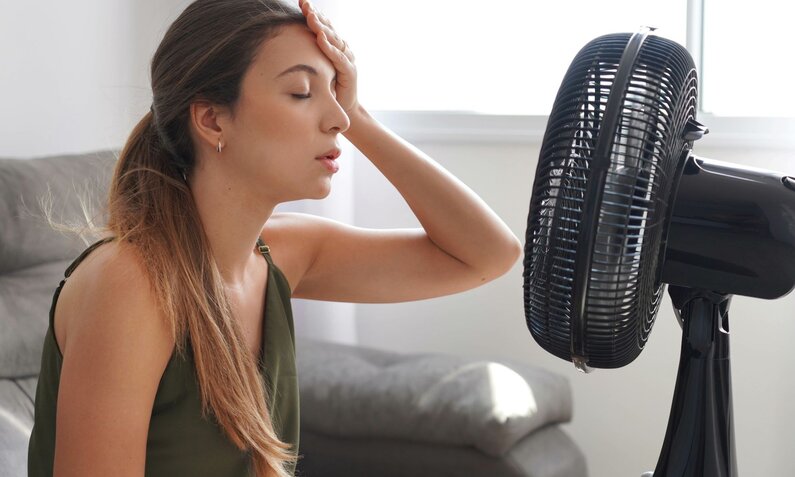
[(232, 219)]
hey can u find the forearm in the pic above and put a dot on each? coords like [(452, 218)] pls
[(453, 216)]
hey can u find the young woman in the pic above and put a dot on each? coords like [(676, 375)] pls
[(171, 349)]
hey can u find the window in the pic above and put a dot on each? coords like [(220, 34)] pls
[(747, 59), (503, 58)]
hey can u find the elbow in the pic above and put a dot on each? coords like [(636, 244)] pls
[(503, 259), (513, 252), (518, 249)]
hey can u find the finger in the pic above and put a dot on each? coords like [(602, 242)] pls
[(318, 23), (332, 35), (338, 43), (317, 20), (306, 8), (323, 19), (336, 55)]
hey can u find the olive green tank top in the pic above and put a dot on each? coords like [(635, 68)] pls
[(180, 442)]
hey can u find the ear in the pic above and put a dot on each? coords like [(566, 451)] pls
[(206, 121)]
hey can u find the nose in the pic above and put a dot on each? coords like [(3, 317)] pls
[(336, 119)]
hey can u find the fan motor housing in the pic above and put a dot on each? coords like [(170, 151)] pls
[(732, 231)]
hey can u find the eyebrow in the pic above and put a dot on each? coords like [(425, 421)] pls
[(301, 67), (296, 68)]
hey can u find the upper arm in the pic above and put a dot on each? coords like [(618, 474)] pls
[(117, 349), (340, 262)]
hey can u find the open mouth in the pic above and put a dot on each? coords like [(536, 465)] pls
[(328, 159)]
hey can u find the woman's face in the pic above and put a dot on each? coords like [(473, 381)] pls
[(287, 117)]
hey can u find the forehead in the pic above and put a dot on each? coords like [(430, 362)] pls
[(294, 44)]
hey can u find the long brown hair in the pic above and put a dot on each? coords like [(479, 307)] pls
[(203, 56)]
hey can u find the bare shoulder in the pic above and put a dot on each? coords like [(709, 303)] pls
[(109, 287), (291, 238), (115, 349)]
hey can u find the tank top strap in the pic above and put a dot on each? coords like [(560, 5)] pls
[(281, 279), (264, 250), (85, 253)]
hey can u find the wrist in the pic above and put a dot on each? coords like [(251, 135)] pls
[(358, 116), (357, 112)]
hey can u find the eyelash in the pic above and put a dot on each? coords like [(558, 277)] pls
[(302, 96)]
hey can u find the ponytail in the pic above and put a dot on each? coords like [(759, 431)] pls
[(150, 206)]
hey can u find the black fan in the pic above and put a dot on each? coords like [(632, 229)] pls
[(621, 207)]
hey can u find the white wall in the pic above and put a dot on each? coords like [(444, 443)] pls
[(620, 415), (75, 75)]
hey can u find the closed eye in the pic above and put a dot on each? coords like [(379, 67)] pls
[(302, 96)]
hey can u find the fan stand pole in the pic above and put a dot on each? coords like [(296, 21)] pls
[(699, 441)]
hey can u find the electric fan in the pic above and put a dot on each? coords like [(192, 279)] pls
[(621, 207)]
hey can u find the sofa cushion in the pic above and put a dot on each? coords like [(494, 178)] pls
[(16, 422), (34, 256), (355, 392), (25, 300), (25, 237)]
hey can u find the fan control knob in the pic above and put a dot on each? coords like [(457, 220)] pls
[(789, 182)]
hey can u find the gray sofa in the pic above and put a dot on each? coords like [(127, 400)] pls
[(364, 411)]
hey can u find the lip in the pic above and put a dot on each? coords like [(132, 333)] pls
[(330, 154), (330, 164)]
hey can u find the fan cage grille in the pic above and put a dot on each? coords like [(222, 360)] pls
[(623, 293)]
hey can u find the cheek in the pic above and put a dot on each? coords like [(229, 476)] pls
[(283, 122), (277, 134)]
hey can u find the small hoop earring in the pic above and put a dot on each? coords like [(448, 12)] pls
[(219, 146)]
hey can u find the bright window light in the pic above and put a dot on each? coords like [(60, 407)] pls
[(494, 58), (748, 67)]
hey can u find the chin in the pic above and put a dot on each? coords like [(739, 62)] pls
[(324, 194), (321, 192), (327, 186)]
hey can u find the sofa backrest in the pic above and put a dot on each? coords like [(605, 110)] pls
[(33, 255)]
